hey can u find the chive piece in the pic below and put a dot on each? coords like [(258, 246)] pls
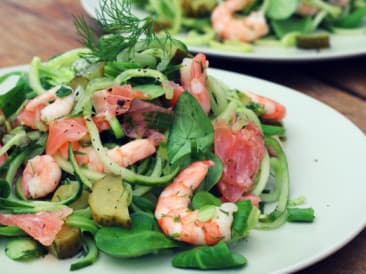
[(270, 130), (63, 91), (300, 215), (116, 127)]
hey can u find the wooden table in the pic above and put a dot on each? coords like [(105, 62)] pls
[(45, 28)]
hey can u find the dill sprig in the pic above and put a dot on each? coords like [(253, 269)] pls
[(122, 30)]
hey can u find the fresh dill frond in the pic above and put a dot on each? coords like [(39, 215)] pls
[(122, 30)]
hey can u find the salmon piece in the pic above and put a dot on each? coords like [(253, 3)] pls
[(42, 226), (65, 131)]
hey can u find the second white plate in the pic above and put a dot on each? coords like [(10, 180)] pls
[(342, 46)]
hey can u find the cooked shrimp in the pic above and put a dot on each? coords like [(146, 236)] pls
[(46, 107), (124, 156), (179, 222), (305, 9), (193, 78), (246, 29), (339, 3), (41, 176), (273, 109)]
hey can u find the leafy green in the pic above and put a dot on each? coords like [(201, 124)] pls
[(214, 173), (63, 91), (129, 243), (293, 24), (242, 223), (191, 130), (217, 256), (203, 198), (11, 100), (353, 20), (5, 188), (281, 9)]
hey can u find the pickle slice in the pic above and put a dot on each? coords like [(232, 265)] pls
[(313, 41)]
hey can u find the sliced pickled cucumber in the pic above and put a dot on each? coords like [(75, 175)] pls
[(109, 202), (313, 41), (67, 242)]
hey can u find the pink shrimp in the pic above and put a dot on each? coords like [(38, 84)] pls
[(124, 156), (305, 9), (273, 109), (41, 176), (45, 108), (179, 222), (339, 3), (193, 78), (246, 29)]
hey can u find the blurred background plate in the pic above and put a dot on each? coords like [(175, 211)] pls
[(342, 46)]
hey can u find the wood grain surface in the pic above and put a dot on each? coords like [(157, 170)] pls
[(45, 28)]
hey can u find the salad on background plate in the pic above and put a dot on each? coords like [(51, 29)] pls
[(293, 30), (128, 147)]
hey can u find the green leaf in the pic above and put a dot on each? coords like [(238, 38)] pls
[(63, 91), (214, 173), (11, 100), (203, 198), (129, 243), (352, 20), (191, 129), (240, 226), (217, 256), (293, 24), (5, 188), (281, 9)]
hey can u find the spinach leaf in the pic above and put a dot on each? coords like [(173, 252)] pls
[(293, 24), (203, 198), (129, 243), (353, 20), (63, 91), (144, 221), (281, 9), (214, 173), (241, 225), (218, 256), (191, 130), (5, 188), (11, 100)]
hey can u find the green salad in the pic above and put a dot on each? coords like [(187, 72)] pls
[(237, 25), (129, 147)]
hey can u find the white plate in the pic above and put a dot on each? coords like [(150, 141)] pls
[(342, 46), (326, 155)]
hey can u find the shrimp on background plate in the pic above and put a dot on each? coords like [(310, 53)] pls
[(245, 29), (193, 79)]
